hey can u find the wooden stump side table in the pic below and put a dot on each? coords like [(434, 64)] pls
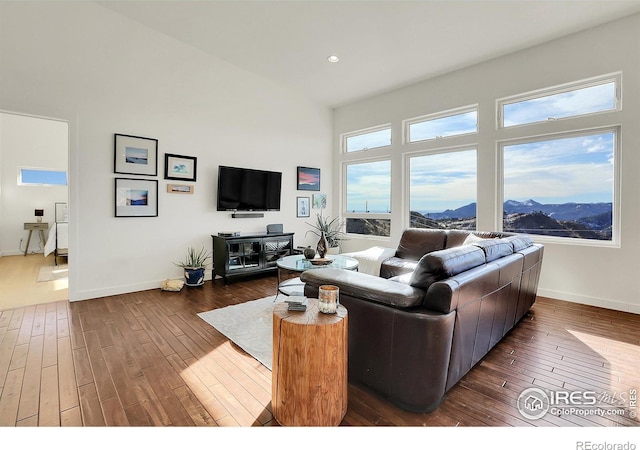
[(309, 375)]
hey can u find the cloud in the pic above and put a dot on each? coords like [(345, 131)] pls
[(563, 170)]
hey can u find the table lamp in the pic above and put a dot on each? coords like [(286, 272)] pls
[(39, 213)]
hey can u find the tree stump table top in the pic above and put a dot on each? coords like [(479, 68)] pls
[(309, 375)]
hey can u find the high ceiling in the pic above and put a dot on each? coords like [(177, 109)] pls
[(381, 44)]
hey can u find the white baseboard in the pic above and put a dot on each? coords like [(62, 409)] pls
[(591, 301), (117, 290), (17, 253)]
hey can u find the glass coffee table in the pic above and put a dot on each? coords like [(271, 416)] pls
[(298, 264)]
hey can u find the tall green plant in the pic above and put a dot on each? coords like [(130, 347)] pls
[(195, 258), (332, 229)]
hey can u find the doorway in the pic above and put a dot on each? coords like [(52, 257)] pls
[(30, 273)]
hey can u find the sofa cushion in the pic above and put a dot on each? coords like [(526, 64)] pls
[(405, 278), (394, 266), (436, 266), (416, 242), (365, 286), (519, 242), (472, 239), (494, 248)]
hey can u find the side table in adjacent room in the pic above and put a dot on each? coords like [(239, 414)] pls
[(35, 226), (309, 375)]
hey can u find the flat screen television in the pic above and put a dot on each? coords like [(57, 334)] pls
[(241, 189)]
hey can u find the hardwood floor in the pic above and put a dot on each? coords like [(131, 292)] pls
[(146, 359)]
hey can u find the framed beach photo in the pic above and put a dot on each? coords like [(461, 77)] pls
[(303, 207), (308, 179), (179, 167), (135, 155), (135, 197)]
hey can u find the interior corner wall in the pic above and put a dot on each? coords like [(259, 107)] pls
[(31, 142), (590, 274), (107, 74)]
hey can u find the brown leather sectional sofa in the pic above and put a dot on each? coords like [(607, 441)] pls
[(439, 305)]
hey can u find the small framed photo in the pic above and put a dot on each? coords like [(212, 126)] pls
[(308, 179), (179, 167), (319, 201), (135, 155), (303, 209), (180, 188), (135, 197)]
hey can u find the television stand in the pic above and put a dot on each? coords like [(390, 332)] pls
[(249, 254)]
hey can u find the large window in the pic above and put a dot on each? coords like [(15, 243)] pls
[(551, 166), (446, 124), (367, 139), (573, 100), (368, 198), (561, 186), (442, 190)]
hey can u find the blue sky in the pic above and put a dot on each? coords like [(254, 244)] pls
[(583, 101), (445, 126), (374, 139), (369, 186), (576, 169), (43, 176), (561, 170), (443, 181)]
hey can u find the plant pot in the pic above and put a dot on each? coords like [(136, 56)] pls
[(333, 250), (194, 276)]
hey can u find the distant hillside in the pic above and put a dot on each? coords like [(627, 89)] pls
[(534, 222), (375, 227), (595, 215), (417, 220)]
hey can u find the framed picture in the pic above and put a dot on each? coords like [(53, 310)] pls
[(135, 197), (319, 201), (135, 155), (180, 189), (179, 167), (303, 207), (308, 179)]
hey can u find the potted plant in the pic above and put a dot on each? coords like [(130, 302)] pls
[(332, 230), (194, 266)]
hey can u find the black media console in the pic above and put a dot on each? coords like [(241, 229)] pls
[(249, 254)]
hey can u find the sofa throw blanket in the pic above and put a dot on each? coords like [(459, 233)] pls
[(370, 260)]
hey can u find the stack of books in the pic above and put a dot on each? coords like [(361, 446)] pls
[(297, 303)]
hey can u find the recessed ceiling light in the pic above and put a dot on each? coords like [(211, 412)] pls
[(333, 59)]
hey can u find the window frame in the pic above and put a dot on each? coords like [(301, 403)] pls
[(615, 77), (406, 123), (360, 215), (41, 169), (345, 136), (439, 151), (615, 201)]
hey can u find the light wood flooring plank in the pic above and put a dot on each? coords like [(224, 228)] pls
[(49, 408)]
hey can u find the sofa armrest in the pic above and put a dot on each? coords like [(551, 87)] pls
[(365, 286)]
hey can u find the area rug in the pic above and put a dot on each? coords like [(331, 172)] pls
[(51, 273), (248, 325)]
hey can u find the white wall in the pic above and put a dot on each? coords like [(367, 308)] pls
[(34, 143), (603, 276), (106, 74)]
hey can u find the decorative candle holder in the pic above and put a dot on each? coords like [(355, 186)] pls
[(328, 298)]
